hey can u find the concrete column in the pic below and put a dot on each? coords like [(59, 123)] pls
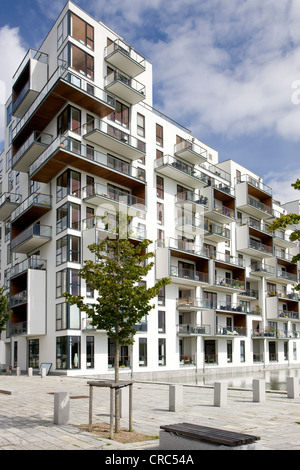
[(293, 387), (175, 397), (29, 371), (61, 407), (220, 394), (259, 390)]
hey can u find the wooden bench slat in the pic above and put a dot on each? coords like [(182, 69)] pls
[(214, 435)]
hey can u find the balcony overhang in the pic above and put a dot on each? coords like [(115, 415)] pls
[(8, 203), (30, 244), (182, 177), (122, 61), (125, 92)]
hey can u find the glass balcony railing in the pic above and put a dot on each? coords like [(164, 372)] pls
[(256, 245), (231, 330), (224, 210), (254, 182), (35, 230), (74, 79), (125, 49), (259, 205), (231, 283), (214, 229), (35, 137), (191, 197), (10, 197), (233, 307), (262, 268), (288, 276), (190, 329), (19, 298), (187, 360), (99, 223), (119, 76), (182, 245), (192, 146), (31, 263), (193, 303), (288, 314), (226, 258), (113, 194), (188, 274), (181, 166), (34, 199)]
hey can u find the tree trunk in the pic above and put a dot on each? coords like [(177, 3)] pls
[(117, 391)]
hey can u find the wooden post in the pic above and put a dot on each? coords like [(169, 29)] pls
[(130, 408), (90, 408), (111, 430)]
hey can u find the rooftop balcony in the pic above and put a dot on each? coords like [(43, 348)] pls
[(63, 86), (125, 58), (116, 199), (8, 203), (191, 152), (125, 87), (34, 146), (31, 239), (255, 183), (116, 140), (180, 171), (31, 209)]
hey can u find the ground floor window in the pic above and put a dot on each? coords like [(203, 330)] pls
[(33, 353), (90, 352), (161, 352), (68, 352), (143, 352)]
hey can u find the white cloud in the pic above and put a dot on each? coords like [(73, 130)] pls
[(12, 53), (281, 184)]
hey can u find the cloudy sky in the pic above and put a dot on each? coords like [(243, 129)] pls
[(229, 70)]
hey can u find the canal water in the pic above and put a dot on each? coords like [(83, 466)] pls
[(275, 379)]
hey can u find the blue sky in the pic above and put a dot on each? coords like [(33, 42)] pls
[(224, 69)]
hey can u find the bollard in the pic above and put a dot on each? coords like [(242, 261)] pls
[(175, 397), (18, 371), (29, 371), (220, 394), (124, 402), (292, 387), (43, 372), (259, 390), (61, 407)]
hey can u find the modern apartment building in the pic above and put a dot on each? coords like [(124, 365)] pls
[(83, 141)]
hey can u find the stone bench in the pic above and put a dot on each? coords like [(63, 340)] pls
[(187, 436)]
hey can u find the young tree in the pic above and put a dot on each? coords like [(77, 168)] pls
[(289, 220), (122, 300), (4, 311)]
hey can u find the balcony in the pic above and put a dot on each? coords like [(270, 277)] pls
[(284, 272), (193, 304), (63, 86), (191, 152), (222, 283), (193, 330), (191, 201), (115, 199), (186, 360), (115, 140), (30, 151), (125, 58), (262, 270), (34, 207), (188, 276), (190, 226), (221, 204), (17, 328), (216, 233), (253, 197), (30, 77), (224, 260), (231, 331), (31, 239), (18, 299), (180, 171), (182, 248), (281, 239), (33, 262), (258, 247), (125, 87), (226, 307), (277, 308), (8, 203)]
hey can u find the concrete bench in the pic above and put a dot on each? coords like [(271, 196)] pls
[(187, 436)]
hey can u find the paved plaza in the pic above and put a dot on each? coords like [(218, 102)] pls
[(27, 414)]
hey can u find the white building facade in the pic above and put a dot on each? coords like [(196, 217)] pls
[(83, 141)]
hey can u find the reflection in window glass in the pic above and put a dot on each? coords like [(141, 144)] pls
[(82, 31)]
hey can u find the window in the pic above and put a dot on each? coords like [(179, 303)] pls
[(68, 352), (62, 31), (161, 321), (120, 115), (161, 352), (69, 119), (160, 187), (81, 31), (159, 135), (140, 125), (238, 176), (33, 353), (142, 352), (161, 298), (160, 213), (67, 249), (67, 280), (8, 113), (229, 351), (90, 123), (8, 160), (90, 352), (68, 182), (242, 351), (78, 59), (61, 218)]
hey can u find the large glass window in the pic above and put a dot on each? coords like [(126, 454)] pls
[(159, 135), (120, 115), (67, 249), (81, 61), (33, 353), (90, 352), (67, 317), (69, 119), (81, 31), (142, 352), (67, 280), (68, 182), (161, 352), (68, 352)]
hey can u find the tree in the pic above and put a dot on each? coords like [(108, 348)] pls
[(4, 311), (289, 220), (122, 299)]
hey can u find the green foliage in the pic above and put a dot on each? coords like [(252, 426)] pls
[(4, 312), (116, 276)]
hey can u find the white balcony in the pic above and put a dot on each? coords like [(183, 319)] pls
[(34, 146), (8, 203), (125, 87), (32, 238), (125, 58), (180, 171), (254, 200), (258, 248), (190, 152)]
